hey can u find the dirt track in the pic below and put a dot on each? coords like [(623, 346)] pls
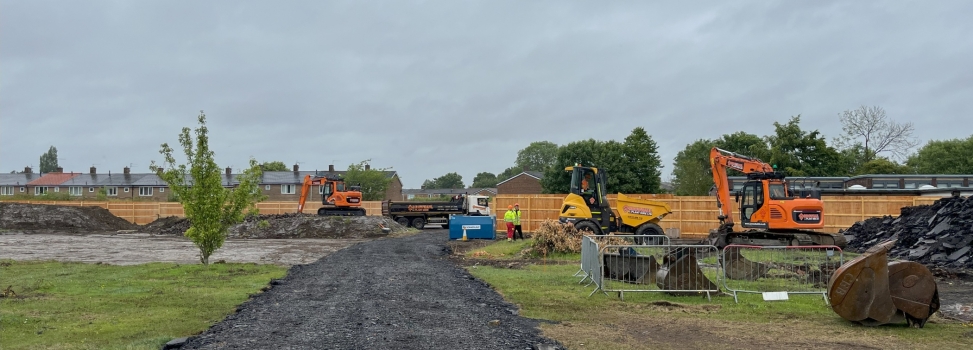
[(139, 248), (400, 293)]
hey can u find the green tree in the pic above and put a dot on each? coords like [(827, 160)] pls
[(374, 182), (871, 128), (510, 172), (802, 153), (485, 180), (743, 143), (274, 166), (882, 166), (450, 180), (954, 156), (538, 156), (608, 156), (691, 173), (210, 207), (642, 157), (49, 160)]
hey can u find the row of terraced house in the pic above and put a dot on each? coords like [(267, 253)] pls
[(276, 185)]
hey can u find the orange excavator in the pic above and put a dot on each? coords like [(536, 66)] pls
[(336, 199), (773, 214)]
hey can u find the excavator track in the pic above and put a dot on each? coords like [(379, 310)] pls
[(778, 238)]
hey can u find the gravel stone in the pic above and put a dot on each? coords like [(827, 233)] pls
[(391, 293)]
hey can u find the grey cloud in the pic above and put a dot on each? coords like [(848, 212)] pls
[(438, 86)]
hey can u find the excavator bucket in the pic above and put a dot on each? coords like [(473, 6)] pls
[(738, 267), (870, 291), (629, 266), (914, 291), (683, 273)]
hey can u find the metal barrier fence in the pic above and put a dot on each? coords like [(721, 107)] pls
[(591, 258), (777, 271), (674, 269)]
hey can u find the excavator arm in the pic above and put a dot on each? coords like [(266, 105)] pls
[(305, 188), (720, 160)]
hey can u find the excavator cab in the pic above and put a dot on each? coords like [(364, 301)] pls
[(336, 200)]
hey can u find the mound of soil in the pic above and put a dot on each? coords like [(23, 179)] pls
[(311, 226), (291, 225), (172, 225), (937, 235), (42, 217)]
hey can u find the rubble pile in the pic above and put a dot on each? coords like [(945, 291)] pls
[(171, 225), (940, 234), (59, 218)]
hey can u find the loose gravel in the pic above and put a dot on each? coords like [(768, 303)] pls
[(391, 293)]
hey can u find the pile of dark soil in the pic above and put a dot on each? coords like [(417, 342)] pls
[(295, 225), (172, 225), (41, 217), (937, 235), (291, 225)]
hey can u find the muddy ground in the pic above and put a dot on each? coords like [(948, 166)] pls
[(140, 248)]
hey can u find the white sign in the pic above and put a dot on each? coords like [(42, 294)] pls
[(471, 227), (771, 296)]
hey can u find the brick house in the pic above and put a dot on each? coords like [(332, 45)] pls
[(413, 193), (528, 182), (277, 185)]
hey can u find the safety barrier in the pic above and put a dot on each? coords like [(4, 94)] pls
[(778, 271), (674, 269), (591, 258)]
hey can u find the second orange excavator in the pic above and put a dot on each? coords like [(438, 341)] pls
[(337, 200), (768, 208)]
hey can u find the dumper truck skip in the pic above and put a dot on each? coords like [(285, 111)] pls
[(419, 213)]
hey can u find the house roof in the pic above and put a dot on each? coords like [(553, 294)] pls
[(52, 179), (534, 174), (291, 177), (84, 180), (19, 179), (451, 191)]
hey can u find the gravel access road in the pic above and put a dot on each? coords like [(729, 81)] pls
[(390, 293)]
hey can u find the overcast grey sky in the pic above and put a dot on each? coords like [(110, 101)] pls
[(430, 87)]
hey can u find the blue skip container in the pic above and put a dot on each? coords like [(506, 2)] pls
[(477, 227)]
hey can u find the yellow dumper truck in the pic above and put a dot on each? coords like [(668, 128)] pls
[(587, 207)]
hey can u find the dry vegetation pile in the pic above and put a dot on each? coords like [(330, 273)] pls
[(555, 237)]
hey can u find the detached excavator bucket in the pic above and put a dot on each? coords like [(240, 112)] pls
[(631, 267), (914, 291), (870, 291), (738, 267), (683, 273)]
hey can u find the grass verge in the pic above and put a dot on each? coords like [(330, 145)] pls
[(661, 321), (93, 306), (504, 250)]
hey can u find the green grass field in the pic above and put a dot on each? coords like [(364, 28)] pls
[(603, 321), (89, 306)]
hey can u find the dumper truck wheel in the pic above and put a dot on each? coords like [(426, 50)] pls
[(588, 226), (418, 222), (402, 221), (648, 229)]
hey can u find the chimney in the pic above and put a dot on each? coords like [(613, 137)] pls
[(59, 170), (295, 168), (368, 167), (27, 170), (261, 167), (92, 170), (526, 168), (331, 168), (229, 171), (127, 170)]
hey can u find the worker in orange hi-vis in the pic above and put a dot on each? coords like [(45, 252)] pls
[(508, 217)]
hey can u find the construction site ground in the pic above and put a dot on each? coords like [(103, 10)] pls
[(367, 290)]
